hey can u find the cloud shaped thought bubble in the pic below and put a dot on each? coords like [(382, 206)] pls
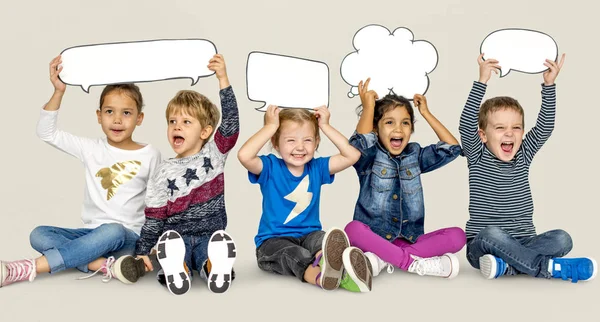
[(393, 60)]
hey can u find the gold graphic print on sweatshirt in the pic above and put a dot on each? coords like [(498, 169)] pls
[(117, 174)]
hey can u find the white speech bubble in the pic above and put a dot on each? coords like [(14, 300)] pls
[(395, 62), (520, 50), (285, 81), (140, 61)]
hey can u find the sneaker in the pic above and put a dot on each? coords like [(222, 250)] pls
[(129, 269), (335, 242), (491, 266), (171, 256), (442, 266), (577, 269), (358, 273), (17, 271), (106, 269), (378, 264), (221, 254)]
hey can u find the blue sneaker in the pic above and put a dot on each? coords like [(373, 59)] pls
[(577, 269), (491, 266)]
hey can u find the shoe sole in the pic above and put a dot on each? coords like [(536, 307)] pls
[(357, 266), (335, 242), (455, 265), (222, 254), (594, 267), (488, 266), (171, 256), (129, 269)]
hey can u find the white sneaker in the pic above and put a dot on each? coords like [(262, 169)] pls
[(443, 266), (378, 264)]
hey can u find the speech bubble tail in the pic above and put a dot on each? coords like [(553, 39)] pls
[(502, 73), (353, 91), (86, 88), (195, 81), (262, 108)]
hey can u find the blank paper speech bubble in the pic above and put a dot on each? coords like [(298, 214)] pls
[(285, 81), (520, 50), (394, 62), (141, 61)]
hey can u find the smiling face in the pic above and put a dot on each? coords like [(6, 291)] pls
[(296, 144), (503, 133), (118, 117), (394, 129), (185, 133)]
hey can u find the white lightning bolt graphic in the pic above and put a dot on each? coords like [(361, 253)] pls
[(301, 197)]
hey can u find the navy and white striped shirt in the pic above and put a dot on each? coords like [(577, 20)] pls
[(499, 192)]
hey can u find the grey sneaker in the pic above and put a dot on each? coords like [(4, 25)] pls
[(335, 242)]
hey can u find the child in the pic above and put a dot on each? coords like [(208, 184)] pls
[(289, 239), (501, 236), (389, 214), (116, 173), (185, 201)]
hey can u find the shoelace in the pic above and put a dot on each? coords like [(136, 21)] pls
[(428, 266), (19, 270), (389, 267), (107, 266)]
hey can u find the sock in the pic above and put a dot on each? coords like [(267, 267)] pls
[(550, 264)]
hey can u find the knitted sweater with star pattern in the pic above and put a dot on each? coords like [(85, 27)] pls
[(187, 194)]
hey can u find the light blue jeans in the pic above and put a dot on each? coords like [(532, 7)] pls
[(66, 248)]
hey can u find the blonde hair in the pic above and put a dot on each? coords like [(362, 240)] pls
[(298, 115), (195, 105), (496, 104)]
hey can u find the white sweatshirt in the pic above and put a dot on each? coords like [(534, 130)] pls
[(115, 179)]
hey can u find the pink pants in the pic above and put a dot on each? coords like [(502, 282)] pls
[(397, 252)]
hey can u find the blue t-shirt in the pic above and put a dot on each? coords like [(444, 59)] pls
[(290, 204)]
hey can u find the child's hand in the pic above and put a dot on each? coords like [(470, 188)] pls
[(367, 97), (272, 116), (59, 86), (147, 262), (553, 70), (322, 114), (421, 102), (486, 67), (217, 65)]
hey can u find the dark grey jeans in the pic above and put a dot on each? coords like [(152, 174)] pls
[(289, 255)]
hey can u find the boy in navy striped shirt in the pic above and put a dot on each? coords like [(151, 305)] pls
[(501, 236)]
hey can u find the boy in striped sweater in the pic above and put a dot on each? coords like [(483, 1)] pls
[(501, 236), (185, 205)]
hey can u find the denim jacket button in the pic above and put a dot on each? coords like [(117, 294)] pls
[(384, 171), (388, 236), (408, 172), (395, 196), (410, 238)]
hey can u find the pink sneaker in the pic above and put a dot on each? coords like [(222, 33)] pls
[(17, 271)]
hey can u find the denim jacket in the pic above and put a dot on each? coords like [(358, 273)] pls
[(391, 196)]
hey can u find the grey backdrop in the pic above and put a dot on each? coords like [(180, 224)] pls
[(43, 186)]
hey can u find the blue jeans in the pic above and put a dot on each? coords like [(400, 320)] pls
[(525, 255), (66, 248), (196, 253)]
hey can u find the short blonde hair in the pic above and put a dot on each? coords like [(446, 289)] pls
[(298, 115), (496, 104), (195, 105)]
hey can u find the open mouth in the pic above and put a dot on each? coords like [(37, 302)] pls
[(396, 143), (178, 140), (298, 156), (507, 146)]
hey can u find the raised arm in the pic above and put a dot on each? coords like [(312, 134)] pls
[(440, 130), (248, 153), (228, 131), (539, 134), (348, 154), (367, 98)]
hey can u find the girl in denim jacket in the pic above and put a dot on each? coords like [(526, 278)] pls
[(389, 214)]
